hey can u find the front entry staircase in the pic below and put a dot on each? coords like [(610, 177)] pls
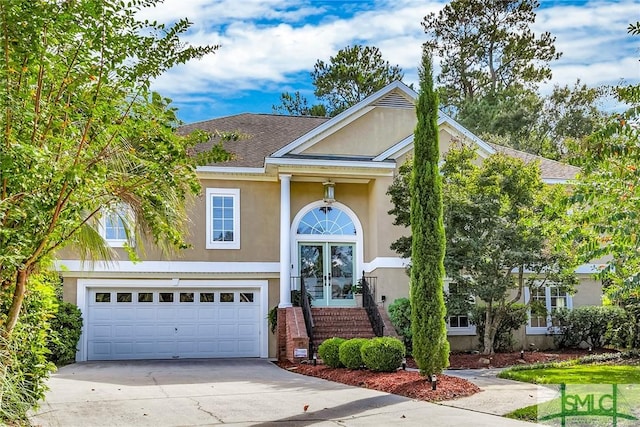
[(301, 330), (352, 322)]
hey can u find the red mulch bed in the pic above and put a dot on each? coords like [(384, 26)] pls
[(502, 360), (411, 384), (404, 383)]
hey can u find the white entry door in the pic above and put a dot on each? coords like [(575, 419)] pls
[(166, 323)]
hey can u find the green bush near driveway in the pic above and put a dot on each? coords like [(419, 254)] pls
[(383, 354), (329, 352), (350, 354)]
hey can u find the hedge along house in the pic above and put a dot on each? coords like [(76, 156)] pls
[(303, 200)]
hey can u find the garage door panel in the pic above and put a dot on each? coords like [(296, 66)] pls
[(147, 314), (122, 348), (143, 331), (123, 331), (102, 331), (249, 330), (137, 324), (125, 314), (187, 331), (101, 313)]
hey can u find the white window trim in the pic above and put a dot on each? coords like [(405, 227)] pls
[(549, 329), (235, 193), (102, 227), (459, 331)]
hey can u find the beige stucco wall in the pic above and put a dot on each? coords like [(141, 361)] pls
[(368, 135)]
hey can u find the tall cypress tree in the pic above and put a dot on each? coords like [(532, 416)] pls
[(430, 345)]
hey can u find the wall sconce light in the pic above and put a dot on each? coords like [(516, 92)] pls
[(329, 192)]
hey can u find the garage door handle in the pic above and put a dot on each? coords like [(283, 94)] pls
[(176, 329)]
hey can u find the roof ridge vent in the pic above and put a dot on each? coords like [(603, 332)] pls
[(394, 100)]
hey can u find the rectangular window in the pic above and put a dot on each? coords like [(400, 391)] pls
[(165, 297), (206, 297), (458, 322), (223, 218), (145, 296), (114, 223), (226, 297), (545, 301), (246, 296), (124, 297), (103, 297), (186, 296)]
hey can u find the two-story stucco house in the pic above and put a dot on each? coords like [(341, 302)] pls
[(303, 197)]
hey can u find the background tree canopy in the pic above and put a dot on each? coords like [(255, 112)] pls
[(349, 77), (82, 132)]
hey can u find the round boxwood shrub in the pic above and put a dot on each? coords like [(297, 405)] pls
[(383, 354), (349, 352), (329, 352)]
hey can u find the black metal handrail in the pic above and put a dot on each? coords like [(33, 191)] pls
[(308, 317), (369, 304)]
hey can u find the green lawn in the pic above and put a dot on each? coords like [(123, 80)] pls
[(577, 374)]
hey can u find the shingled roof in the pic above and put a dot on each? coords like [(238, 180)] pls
[(262, 135), (549, 169)]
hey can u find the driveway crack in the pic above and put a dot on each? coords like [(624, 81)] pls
[(201, 409)]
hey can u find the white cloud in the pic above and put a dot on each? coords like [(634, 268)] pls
[(266, 45)]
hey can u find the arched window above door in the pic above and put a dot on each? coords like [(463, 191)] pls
[(327, 220)]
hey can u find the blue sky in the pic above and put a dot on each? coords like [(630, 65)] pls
[(270, 46)]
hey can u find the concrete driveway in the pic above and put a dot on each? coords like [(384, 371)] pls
[(239, 392)]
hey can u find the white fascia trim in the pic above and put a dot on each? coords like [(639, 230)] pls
[(458, 332), (391, 152), (581, 269), (330, 163), (166, 267), (444, 118), (590, 268), (556, 181), (352, 111), (223, 169), (386, 262), (82, 300)]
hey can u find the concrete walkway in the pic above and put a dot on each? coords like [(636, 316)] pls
[(498, 396), (238, 392)]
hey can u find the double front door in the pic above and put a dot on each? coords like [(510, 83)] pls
[(328, 272)]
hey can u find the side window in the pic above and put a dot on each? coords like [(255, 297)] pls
[(459, 304), (544, 302), (114, 223), (223, 218)]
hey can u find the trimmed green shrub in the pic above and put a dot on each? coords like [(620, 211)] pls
[(350, 354), (383, 354), (400, 315), (66, 327), (23, 356), (515, 317), (595, 326), (329, 352)]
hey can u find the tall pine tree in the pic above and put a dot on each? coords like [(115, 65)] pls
[(430, 345)]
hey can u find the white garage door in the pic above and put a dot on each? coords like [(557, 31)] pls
[(163, 323)]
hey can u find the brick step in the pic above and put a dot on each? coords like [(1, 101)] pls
[(350, 322)]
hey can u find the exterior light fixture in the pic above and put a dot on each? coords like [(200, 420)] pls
[(404, 364), (329, 192), (434, 381)]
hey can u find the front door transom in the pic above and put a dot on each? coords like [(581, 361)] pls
[(327, 245)]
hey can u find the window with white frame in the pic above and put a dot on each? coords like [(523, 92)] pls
[(223, 218), (458, 323), (116, 224), (545, 301)]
